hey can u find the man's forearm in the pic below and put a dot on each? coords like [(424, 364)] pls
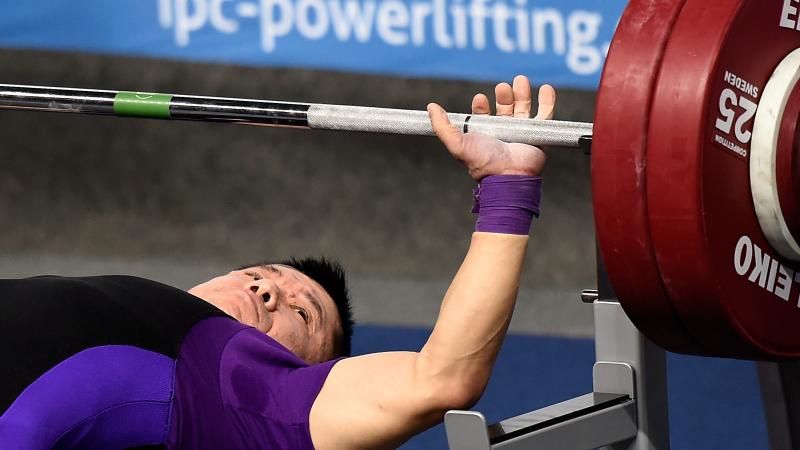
[(477, 308), (475, 313)]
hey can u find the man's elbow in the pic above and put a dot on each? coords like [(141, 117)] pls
[(443, 387), (454, 393)]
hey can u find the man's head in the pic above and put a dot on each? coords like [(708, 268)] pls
[(301, 303)]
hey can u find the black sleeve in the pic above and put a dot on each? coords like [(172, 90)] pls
[(44, 320)]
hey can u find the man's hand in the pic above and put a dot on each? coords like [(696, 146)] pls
[(484, 155)]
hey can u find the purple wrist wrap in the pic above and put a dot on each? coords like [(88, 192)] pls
[(507, 203)]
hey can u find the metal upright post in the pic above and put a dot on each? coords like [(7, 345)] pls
[(617, 341), (626, 410), (780, 393)]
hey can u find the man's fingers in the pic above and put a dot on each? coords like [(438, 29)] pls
[(547, 102), (504, 99), (450, 136), (522, 96), (480, 104)]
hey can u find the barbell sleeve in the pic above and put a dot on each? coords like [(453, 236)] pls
[(285, 114)]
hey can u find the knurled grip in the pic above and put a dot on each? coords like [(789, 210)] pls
[(402, 121)]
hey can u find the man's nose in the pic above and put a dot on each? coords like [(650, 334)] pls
[(268, 290)]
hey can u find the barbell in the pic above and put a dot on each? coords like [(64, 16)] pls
[(284, 114), (695, 164)]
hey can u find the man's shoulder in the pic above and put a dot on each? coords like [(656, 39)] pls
[(98, 283), (109, 290), (50, 284), (103, 310), (47, 320)]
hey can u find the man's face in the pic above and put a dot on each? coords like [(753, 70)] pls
[(280, 301)]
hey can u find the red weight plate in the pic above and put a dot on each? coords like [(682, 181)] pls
[(618, 160), (788, 163), (723, 278)]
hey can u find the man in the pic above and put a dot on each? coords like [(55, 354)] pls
[(117, 362)]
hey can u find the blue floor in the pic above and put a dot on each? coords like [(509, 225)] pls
[(713, 403)]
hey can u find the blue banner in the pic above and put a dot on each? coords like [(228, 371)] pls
[(563, 42)]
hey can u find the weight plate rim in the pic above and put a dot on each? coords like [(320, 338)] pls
[(636, 280), (788, 163), (764, 154)]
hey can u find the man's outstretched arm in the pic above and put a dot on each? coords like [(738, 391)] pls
[(381, 400)]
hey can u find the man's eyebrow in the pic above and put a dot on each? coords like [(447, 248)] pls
[(269, 267)]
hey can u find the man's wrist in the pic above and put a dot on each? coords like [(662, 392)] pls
[(507, 203)]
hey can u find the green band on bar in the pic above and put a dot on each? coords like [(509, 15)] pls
[(142, 104)]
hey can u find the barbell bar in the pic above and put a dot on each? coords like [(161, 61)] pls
[(695, 164), (285, 114)]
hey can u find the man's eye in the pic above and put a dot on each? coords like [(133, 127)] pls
[(273, 269), (254, 275), (303, 314)]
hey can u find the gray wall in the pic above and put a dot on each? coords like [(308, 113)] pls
[(179, 201)]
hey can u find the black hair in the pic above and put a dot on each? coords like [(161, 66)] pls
[(330, 275)]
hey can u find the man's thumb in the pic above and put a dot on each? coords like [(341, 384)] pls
[(448, 134)]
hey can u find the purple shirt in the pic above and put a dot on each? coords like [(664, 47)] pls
[(116, 362), (238, 388)]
